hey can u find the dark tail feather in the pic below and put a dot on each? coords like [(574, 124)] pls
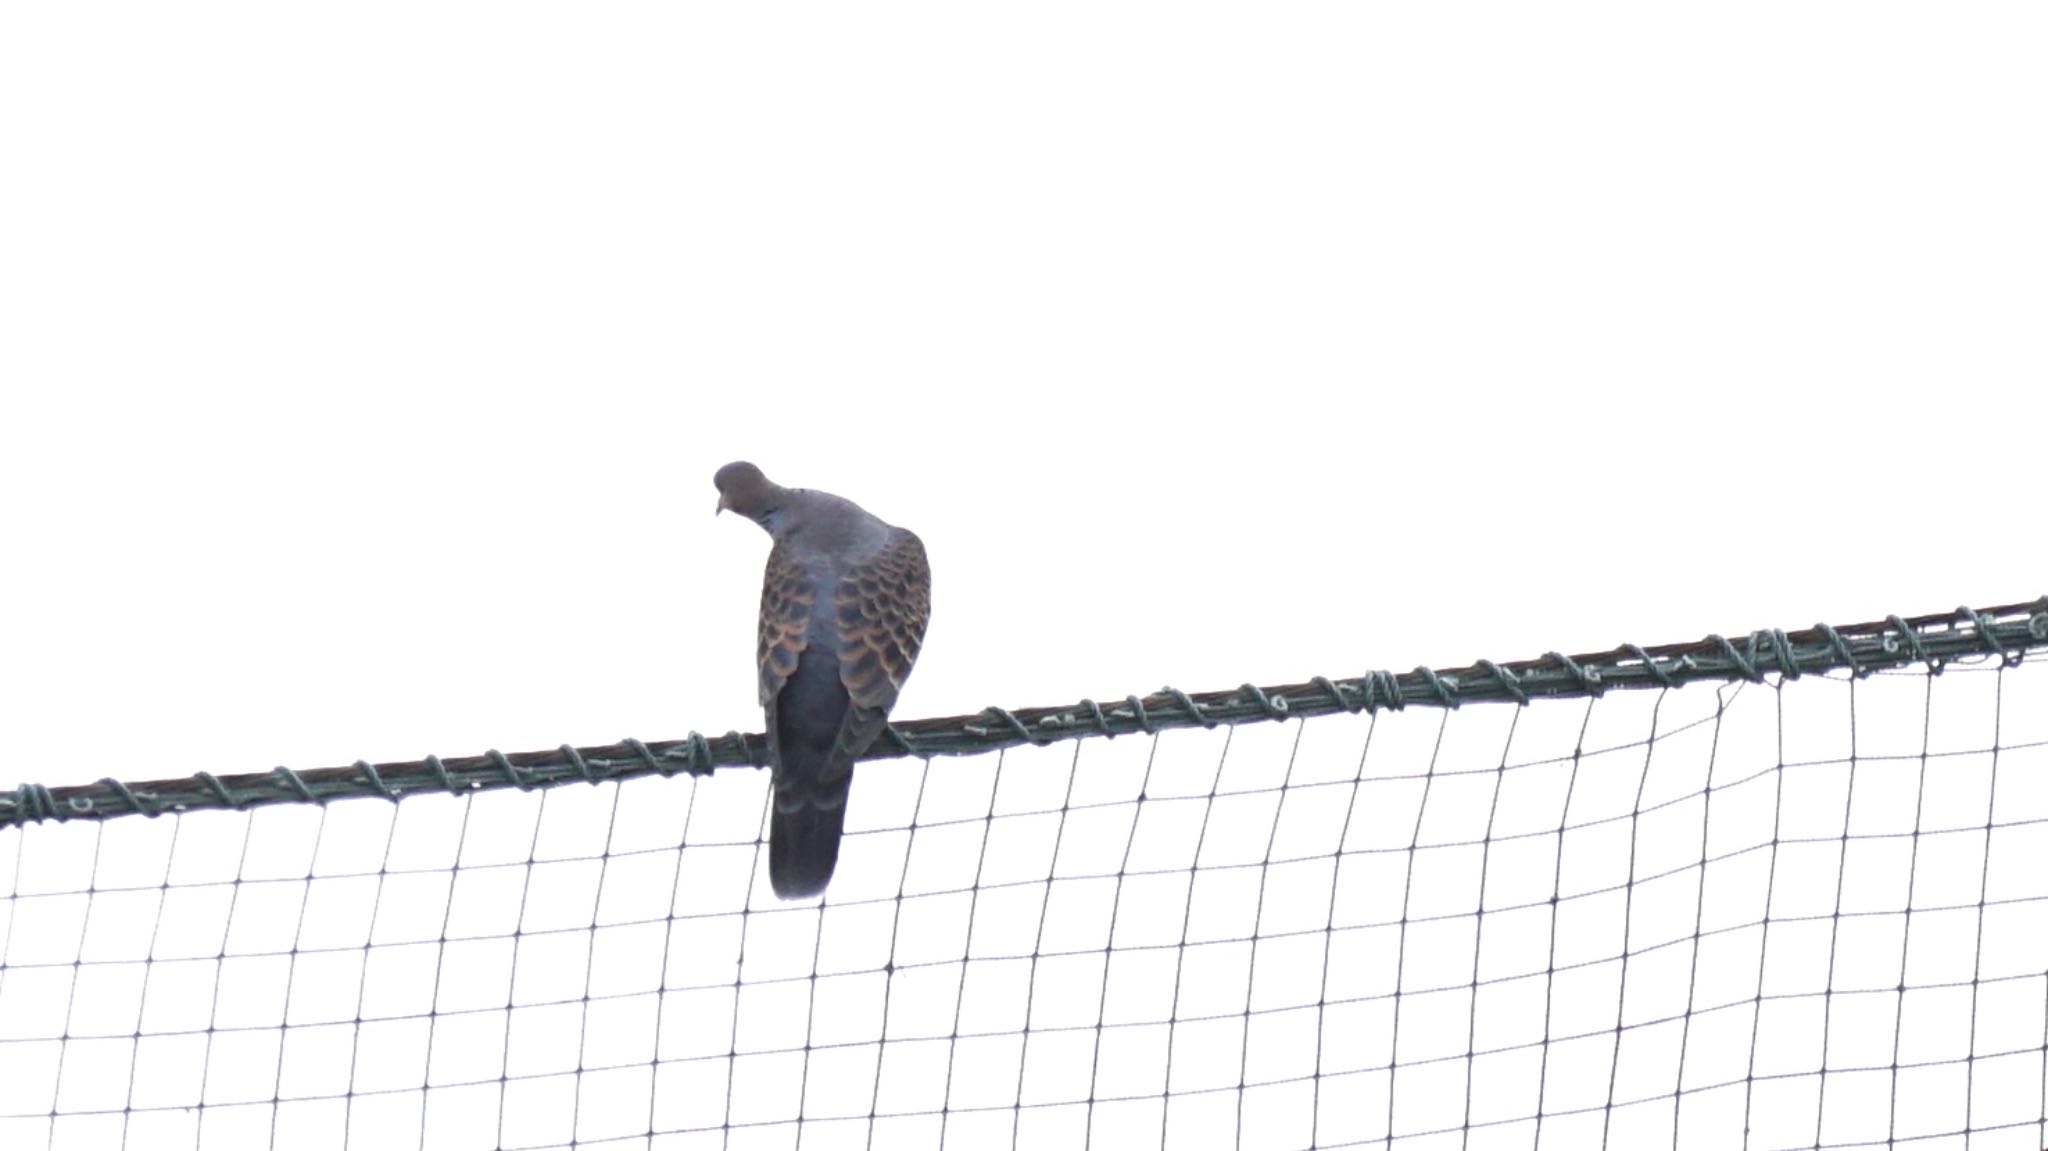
[(803, 847)]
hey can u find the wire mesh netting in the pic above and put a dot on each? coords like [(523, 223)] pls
[(1806, 912)]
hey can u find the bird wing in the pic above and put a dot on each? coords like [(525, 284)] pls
[(882, 606), (787, 596)]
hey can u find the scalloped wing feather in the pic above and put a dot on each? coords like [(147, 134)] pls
[(787, 596), (883, 605)]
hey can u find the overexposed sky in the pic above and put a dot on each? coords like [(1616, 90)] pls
[(363, 369)]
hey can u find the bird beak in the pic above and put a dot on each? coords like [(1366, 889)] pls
[(721, 504)]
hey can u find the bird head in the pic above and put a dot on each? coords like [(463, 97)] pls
[(744, 489)]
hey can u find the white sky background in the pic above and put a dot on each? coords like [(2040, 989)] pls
[(363, 370)]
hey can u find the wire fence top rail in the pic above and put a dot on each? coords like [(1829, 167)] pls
[(2006, 633)]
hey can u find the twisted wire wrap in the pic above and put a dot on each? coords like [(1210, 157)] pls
[(2007, 635)]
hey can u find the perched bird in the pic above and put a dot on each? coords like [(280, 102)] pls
[(843, 608)]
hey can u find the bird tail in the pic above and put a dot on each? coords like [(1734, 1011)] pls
[(803, 847), (813, 771)]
